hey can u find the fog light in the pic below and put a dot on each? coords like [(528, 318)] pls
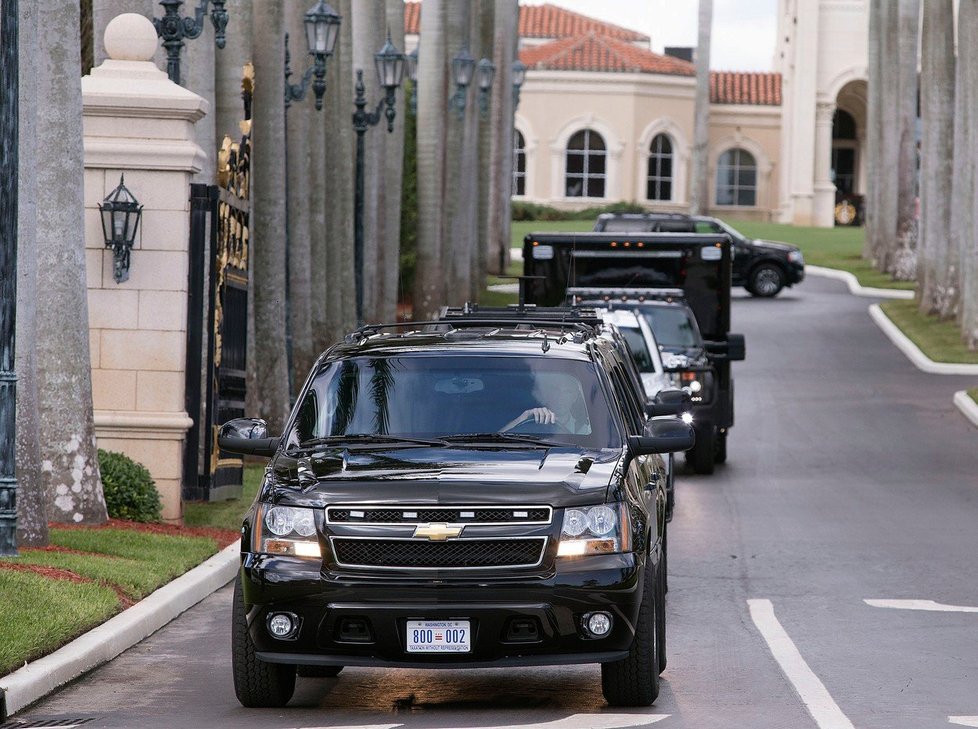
[(598, 624), (687, 418), (281, 625)]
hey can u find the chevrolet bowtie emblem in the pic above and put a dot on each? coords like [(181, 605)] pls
[(438, 532)]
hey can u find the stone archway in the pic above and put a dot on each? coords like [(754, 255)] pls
[(840, 136)]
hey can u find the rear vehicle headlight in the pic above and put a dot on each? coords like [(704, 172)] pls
[(698, 383), (602, 529), (288, 530)]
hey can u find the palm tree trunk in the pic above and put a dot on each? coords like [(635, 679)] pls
[(299, 172), (934, 268), (393, 176), (32, 520), (874, 132), (64, 375), (432, 120), (458, 165), (486, 35), (498, 219), (269, 213), (700, 188), (886, 230), (904, 262), (968, 67)]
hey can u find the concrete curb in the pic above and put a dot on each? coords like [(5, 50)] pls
[(103, 643), (854, 286), (913, 353), (967, 406)]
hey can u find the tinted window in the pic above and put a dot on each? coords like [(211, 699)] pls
[(639, 348), (673, 326), (429, 396)]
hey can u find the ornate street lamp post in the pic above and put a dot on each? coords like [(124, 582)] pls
[(120, 213), (9, 88), (519, 76), (390, 68), (174, 29), (322, 30)]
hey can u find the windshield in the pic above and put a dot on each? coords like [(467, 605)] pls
[(673, 326), (639, 347), (561, 401)]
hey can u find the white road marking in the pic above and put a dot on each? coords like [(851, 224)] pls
[(964, 720), (357, 726), (928, 605), (824, 710)]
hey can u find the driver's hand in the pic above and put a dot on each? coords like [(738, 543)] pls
[(539, 415)]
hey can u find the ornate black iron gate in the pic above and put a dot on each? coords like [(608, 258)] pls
[(218, 216)]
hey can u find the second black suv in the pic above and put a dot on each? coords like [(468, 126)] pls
[(481, 491), (763, 267)]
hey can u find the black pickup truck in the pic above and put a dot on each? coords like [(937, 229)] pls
[(681, 283)]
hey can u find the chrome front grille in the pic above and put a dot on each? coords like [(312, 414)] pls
[(484, 515), (454, 554)]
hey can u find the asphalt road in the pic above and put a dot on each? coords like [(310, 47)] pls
[(851, 477)]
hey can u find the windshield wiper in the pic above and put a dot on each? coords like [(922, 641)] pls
[(496, 437), (365, 439)]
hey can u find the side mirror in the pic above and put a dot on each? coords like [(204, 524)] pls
[(247, 436), (732, 350), (662, 436), (667, 402)]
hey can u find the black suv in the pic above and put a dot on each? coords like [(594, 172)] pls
[(482, 491), (763, 267)]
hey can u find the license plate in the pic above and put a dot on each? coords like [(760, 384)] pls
[(439, 636)]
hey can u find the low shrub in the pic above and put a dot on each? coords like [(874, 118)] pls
[(129, 489)]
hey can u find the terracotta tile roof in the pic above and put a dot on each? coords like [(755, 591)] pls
[(593, 52), (541, 21), (734, 87)]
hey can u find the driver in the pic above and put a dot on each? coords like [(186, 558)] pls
[(564, 411)]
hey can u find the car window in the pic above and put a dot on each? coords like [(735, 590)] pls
[(435, 396), (639, 348), (627, 225), (673, 326), (627, 394), (706, 227)]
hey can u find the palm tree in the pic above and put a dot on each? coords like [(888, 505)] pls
[(903, 262), (393, 174), (936, 257), (32, 521), (700, 189), (888, 166), (64, 376), (968, 71), (432, 119), (268, 213), (874, 130), (486, 34)]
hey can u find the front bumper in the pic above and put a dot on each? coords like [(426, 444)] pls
[(325, 602)]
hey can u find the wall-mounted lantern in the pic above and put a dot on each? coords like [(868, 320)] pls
[(463, 66), (486, 73), (121, 212)]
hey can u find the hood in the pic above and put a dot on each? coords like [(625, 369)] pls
[(680, 358), (774, 245), (438, 476)]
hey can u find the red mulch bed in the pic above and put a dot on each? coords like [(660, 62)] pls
[(223, 537)]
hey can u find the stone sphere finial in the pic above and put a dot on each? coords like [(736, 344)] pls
[(130, 37)]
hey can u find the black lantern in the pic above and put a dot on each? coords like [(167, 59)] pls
[(120, 221), (463, 66), (390, 66), (486, 73), (174, 29), (322, 29), (519, 76)]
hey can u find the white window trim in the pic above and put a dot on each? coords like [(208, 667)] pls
[(558, 160), (680, 161), (522, 125), (763, 168)]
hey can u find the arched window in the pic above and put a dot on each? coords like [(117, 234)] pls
[(659, 182), (519, 163), (585, 165), (736, 178)]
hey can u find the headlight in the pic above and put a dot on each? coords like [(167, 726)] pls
[(288, 530), (698, 383), (796, 257), (602, 529)]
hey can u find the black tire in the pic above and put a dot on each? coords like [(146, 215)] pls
[(634, 680), (665, 561), (258, 685), (700, 456), (720, 448), (660, 611), (318, 671), (766, 280)]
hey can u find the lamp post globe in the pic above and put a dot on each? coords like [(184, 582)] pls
[(322, 29)]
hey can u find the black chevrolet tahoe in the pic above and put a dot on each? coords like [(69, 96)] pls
[(482, 491), (763, 267)]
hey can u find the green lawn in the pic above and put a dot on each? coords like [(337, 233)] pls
[(973, 392), (225, 514), (42, 612), (939, 340)]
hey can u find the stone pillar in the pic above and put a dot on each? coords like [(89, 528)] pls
[(823, 207), (138, 123)]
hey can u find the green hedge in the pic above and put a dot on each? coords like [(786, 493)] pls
[(129, 489), (532, 211)]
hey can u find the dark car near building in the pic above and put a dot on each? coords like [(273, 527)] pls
[(763, 267), (482, 491)]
